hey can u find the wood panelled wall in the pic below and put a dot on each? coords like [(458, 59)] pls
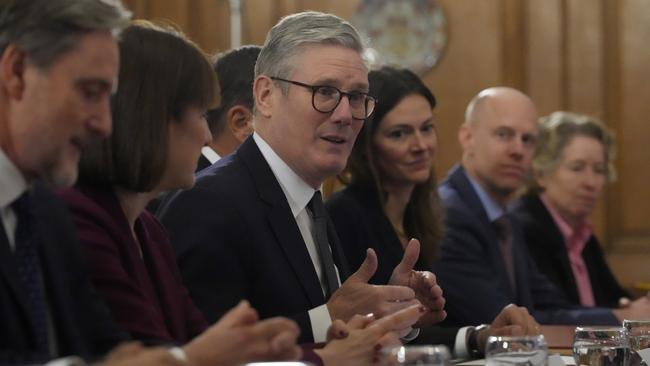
[(587, 56)]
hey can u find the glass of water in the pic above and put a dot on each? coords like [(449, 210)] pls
[(638, 334), (416, 356), (601, 346), (516, 351)]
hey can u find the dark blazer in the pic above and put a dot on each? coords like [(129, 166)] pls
[(361, 223), (83, 324), (202, 163), (236, 238), (472, 271), (144, 291), (546, 246)]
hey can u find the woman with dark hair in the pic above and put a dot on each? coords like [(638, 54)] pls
[(391, 187), (391, 197), (165, 87), (571, 165)]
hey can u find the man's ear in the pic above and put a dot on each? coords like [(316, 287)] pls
[(465, 136), (12, 71), (263, 90), (240, 122)]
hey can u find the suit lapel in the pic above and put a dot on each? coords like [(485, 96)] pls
[(281, 220), (337, 251), (10, 272), (555, 242), (202, 163), (462, 185), (459, 181)]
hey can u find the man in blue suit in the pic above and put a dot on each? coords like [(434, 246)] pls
[(253, 226), (483, 255)]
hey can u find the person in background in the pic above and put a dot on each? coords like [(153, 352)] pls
[(254, 225), (483, 252), (391, 196), (128, 251), (232, 121), (572, 163)]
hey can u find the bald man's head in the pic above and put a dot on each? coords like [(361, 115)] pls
[(484, 102), (498, 140)]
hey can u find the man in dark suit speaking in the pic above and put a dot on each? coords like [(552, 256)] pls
[(483, 252), (254, 227)]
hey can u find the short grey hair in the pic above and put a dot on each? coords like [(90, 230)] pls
[(292, 32), (557, 131), (47, 29)]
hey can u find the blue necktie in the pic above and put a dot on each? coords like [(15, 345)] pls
[(29, 269), (322, 244)]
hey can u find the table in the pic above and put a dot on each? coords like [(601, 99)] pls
[(559, 339)]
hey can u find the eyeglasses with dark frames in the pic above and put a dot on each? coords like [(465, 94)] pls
[(325, 99)]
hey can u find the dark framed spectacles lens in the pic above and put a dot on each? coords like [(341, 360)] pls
[(326, 98)]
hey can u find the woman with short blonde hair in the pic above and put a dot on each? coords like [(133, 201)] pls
[(571, 165)]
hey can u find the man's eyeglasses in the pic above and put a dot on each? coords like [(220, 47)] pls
[(325, 99)]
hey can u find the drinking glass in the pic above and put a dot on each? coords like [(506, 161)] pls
[(601, 346), (638, 334), (516, 351), (416, 356), (279, 363)]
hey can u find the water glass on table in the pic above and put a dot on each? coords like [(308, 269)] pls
[(416, 356), (279, 363), (516, 351), (601, 346), (638, 334)]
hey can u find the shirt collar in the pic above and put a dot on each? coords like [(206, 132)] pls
[(297, 191), (12, 182), (492, 208), (571, 236), (210, 154)]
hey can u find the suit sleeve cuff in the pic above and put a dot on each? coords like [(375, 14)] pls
[(320, 321), (460, 345), (67, 361)]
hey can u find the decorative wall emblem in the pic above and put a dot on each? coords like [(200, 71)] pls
[(404, 33)]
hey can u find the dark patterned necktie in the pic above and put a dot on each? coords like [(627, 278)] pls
[(29, 269), (504, 231), (322, 244)]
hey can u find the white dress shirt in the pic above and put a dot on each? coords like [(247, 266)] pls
[(298, 194), (12, 185), (210, 154)]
